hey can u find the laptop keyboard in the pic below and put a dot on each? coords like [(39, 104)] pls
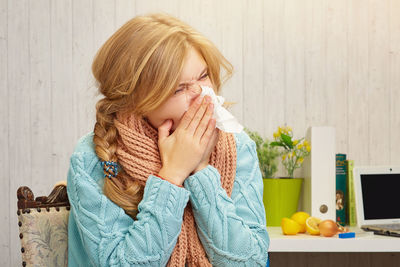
[(395, 227)]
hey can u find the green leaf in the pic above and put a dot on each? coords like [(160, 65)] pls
[(275, 144), (288, 140)]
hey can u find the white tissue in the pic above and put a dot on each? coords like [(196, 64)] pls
[(225, 120)]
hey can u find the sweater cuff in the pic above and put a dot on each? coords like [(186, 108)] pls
[(203, 186), (161, 196)]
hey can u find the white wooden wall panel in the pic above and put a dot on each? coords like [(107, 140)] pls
[(357, 32), (294, 53), (20, 150), (124, 11), (63, 110), (378, 82), (83, 50), (299, 62), (103, 21), (231, 31), (153, 6), (336, 71), (394, 83), (273, 66), (40, 92), (253, 69), (5, 194), (315, 66)]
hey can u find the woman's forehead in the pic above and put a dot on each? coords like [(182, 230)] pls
[(193, 67)]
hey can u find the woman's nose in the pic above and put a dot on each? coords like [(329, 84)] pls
[(192, 92), (194, 89)]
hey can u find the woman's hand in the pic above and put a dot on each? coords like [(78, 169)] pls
[(183, 150), (207, 154)]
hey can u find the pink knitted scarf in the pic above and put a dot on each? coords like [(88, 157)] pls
[(138, 154)]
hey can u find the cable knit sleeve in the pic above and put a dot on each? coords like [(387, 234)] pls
[(232, 229), (108, 236)]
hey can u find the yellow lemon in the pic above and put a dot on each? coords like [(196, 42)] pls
[(289, 226), (300, 217), (312, 225)]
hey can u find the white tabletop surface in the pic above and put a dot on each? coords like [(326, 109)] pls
[(363, 242)]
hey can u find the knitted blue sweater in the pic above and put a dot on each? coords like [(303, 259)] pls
[(232, 229)]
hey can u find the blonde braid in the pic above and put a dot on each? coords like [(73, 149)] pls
[(122, 191)]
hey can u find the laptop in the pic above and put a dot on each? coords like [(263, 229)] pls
[(377, 192)]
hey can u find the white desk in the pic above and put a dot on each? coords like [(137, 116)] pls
[(363, 242)]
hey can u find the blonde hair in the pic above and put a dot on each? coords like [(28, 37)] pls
[(136, 70)]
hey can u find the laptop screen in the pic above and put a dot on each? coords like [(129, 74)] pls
[(381, 196)]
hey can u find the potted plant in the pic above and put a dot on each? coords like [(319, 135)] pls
[(294, 150), (281, 196), (267, 154)]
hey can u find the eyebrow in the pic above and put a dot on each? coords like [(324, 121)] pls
[(204, 70)]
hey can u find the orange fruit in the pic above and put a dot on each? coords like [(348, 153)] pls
[(289, 226), (300, 217), (312, 225)]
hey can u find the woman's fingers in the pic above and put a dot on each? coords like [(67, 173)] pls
[(203, 124), (163, 130), (198, 116), (187, 118), (209, 132)]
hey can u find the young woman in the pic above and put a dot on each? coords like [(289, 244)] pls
[(156, 183)]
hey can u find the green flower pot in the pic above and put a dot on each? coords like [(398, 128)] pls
[(281, 198)]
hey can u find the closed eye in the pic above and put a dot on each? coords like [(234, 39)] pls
[(180, 90), (204, 76)]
